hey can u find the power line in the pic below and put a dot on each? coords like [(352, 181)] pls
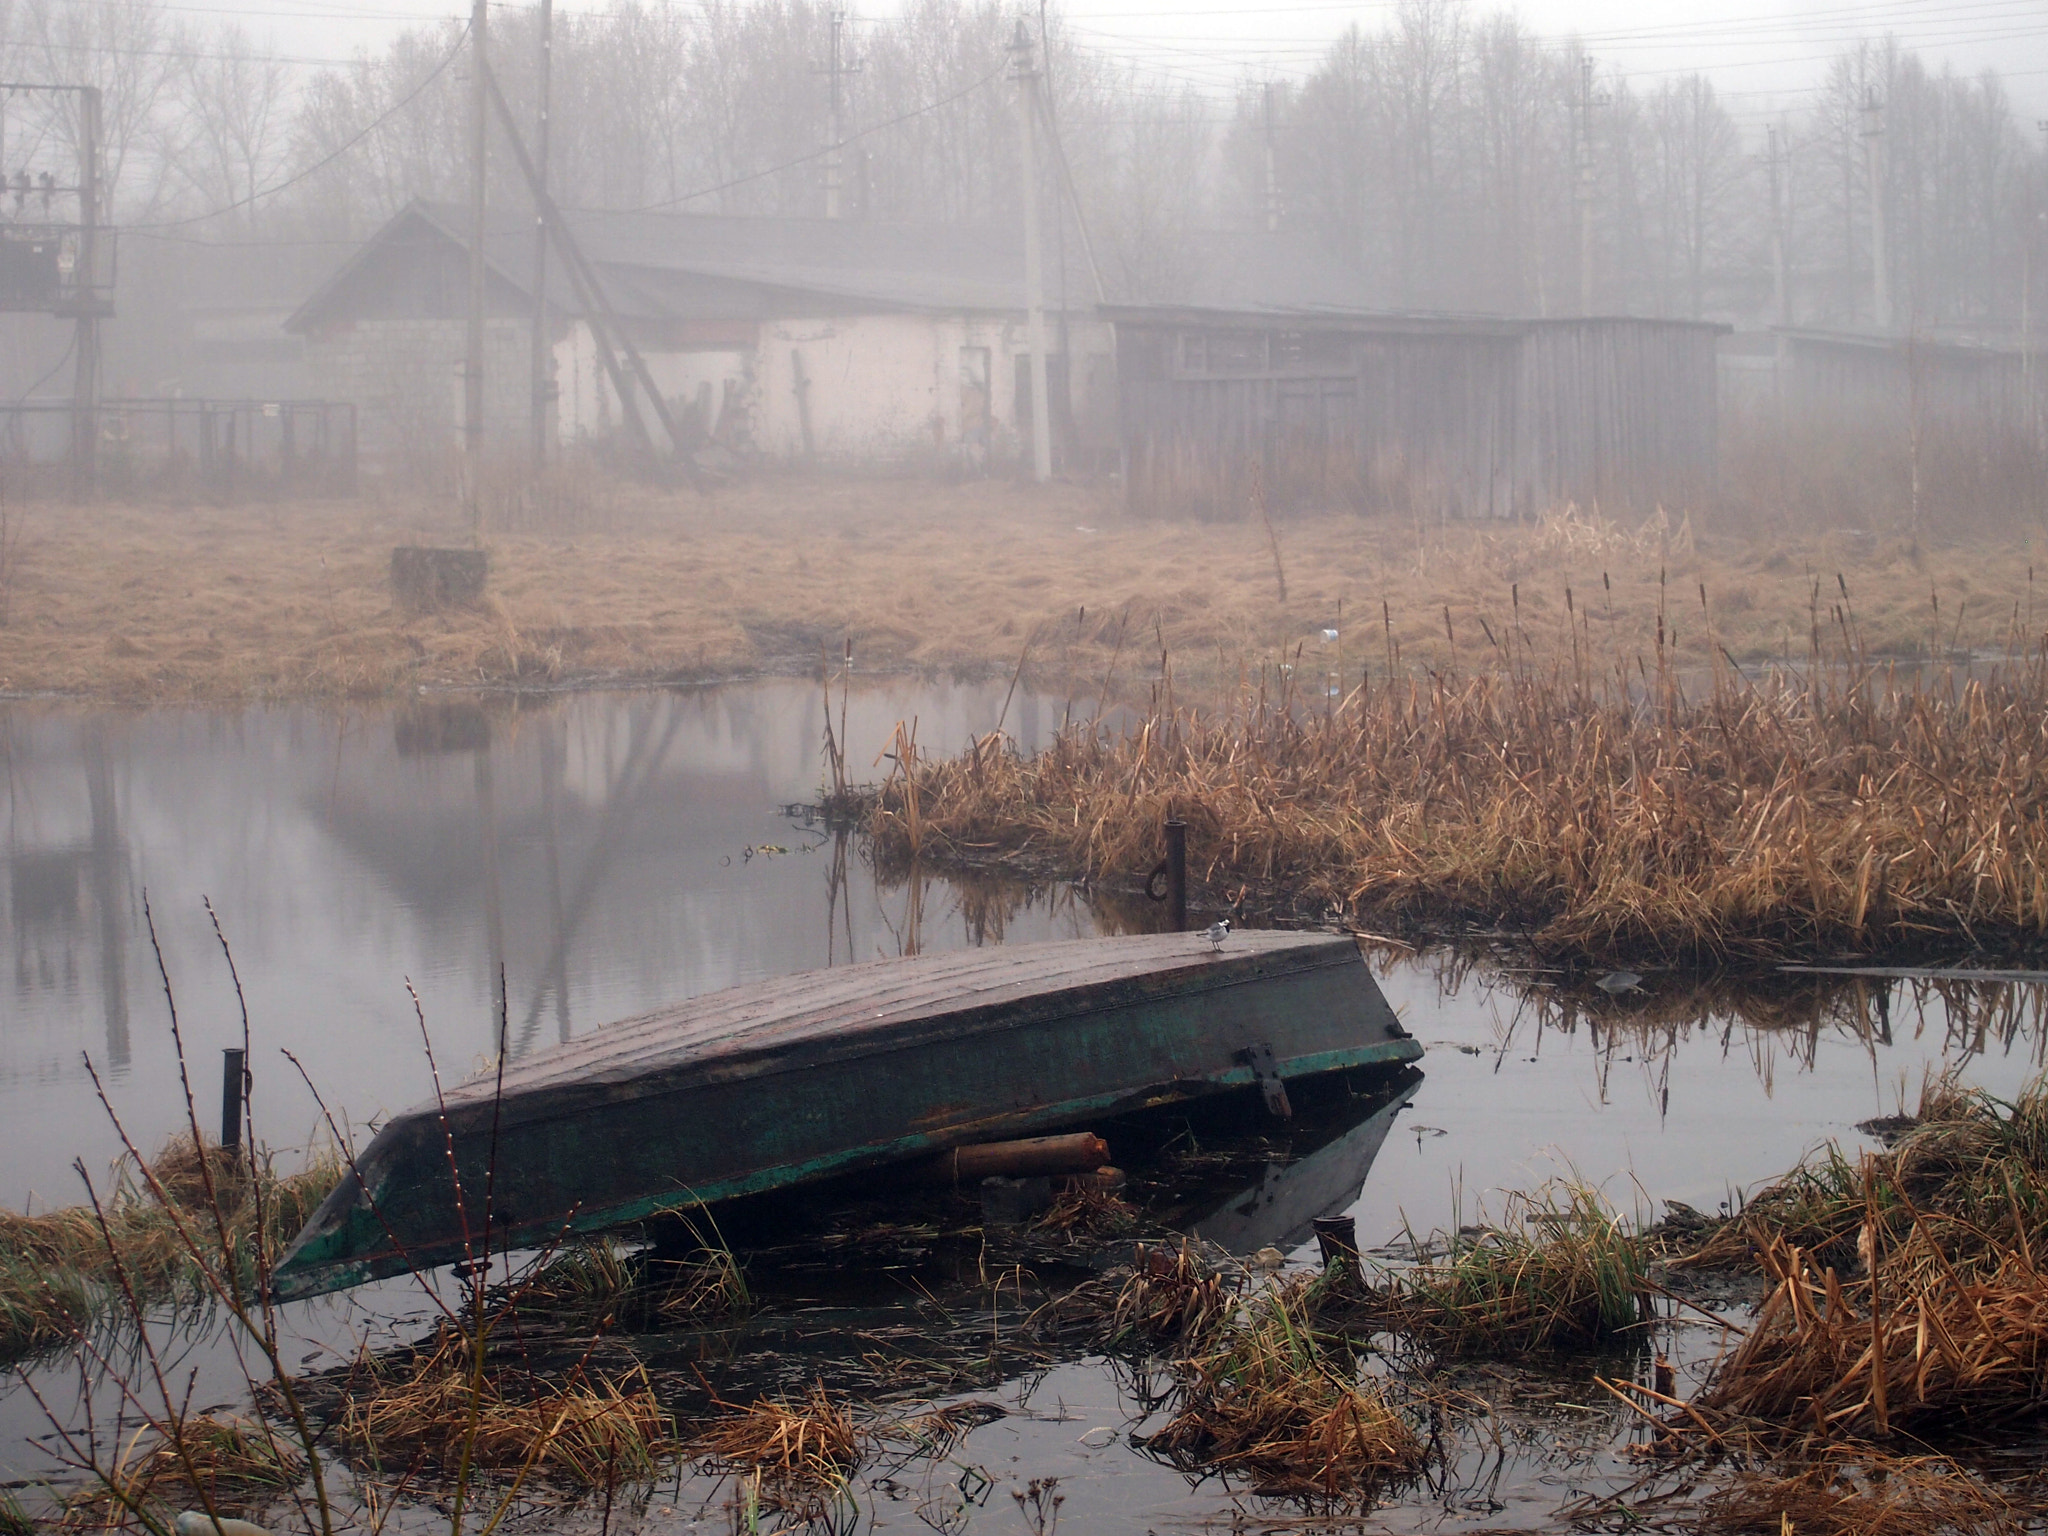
[(325, 160)]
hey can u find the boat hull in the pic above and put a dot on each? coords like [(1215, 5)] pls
[(766, 1087)]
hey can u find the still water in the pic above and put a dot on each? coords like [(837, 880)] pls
[(604, 854)]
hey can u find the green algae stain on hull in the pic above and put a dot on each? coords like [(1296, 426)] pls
[(784, 1082)]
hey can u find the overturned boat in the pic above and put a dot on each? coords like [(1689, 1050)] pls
[(801, 1078)]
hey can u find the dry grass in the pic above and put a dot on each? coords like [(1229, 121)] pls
[(597, 1283), (1596, 805), (57, 1275), (1275, 1405), (1560, 1271), (222, 1462), (793, 1454), (153, 602), (577, 1429), (1863, 1495)]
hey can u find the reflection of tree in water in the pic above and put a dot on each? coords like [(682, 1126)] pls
[(1775, 1017), (985, 903)]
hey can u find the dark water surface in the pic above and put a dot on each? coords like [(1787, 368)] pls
[(615, 852)]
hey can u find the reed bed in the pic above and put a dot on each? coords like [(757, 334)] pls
[(221, 1462), (580, 1429), (598, 1283), (1595, 805), (1971, 1166), (1277, 1405), (58, 1269), (1561, 1271), (792, 1454)]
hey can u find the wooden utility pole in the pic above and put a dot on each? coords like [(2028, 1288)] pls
[(1880, 258), (1034, 297), (540, 247), (1272, 162), (1781, 277), (838, 66), (473, 353), (1585, 185), (85, 358)]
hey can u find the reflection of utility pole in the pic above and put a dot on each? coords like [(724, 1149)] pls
[(1781, 283), (1272, 164), (1880, 270), (838, 67), (540, 244), (109, 892), (473, 352), (1034, 299), (494, 909), (85, 361)]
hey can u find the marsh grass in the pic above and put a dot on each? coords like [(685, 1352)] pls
[(793, 1454), (1560, 1271), (598, 1283), (1594, 803), (581, 1428), (1863, 1494), (1283, 1408), (57, 1270)]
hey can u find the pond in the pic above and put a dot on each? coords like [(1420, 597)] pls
[(597, 855)]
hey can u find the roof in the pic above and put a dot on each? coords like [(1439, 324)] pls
[(1383, 321), (1961, 345), (656, 265)]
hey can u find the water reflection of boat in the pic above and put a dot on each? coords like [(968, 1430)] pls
[(787, 1081), (1278, 1211)]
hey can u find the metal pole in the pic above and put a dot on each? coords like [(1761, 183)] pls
[(1177, 876), (473, 355), (233, 1071), (85, 361), (540, 249), (1034, 297)]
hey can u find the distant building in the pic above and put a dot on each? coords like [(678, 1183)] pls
[(836, 341), (1422, 415)]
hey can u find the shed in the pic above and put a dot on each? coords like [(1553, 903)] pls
[(1427, 415)]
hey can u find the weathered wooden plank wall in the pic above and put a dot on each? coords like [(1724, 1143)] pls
[(1478, 419)]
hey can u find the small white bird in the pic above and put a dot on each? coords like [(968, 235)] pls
[(1216, 933)]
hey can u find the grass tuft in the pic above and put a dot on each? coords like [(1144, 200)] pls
[(1273, 1403), (1561, 1271)]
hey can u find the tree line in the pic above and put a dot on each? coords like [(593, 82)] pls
[(1455, 161)]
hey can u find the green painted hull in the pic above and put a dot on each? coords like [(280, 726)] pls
[(764, 1087)]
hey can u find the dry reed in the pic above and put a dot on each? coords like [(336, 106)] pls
[(597, 1283), (1595, 808), (57, 1271), (1272, 1403), (793, 1453), (1560, 1271), (581, 1429)]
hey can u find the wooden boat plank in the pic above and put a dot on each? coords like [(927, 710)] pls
[(786, 1081)]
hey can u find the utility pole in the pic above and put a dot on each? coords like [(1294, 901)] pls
[(85, 360), (1586, 181), (1880, 267), (540, 246), (1272, 164), (1034, 298), (1781, 281), (838, 66), (473, 355)]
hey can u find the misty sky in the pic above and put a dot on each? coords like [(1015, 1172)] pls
[(1763, 56)]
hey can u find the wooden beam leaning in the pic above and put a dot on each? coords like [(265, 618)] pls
[(597, 310)]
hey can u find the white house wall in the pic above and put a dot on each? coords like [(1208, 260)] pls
[(879, 388)]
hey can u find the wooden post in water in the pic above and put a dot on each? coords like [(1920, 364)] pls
[(1177, 876), (1337, 1237), (232, 1070)]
